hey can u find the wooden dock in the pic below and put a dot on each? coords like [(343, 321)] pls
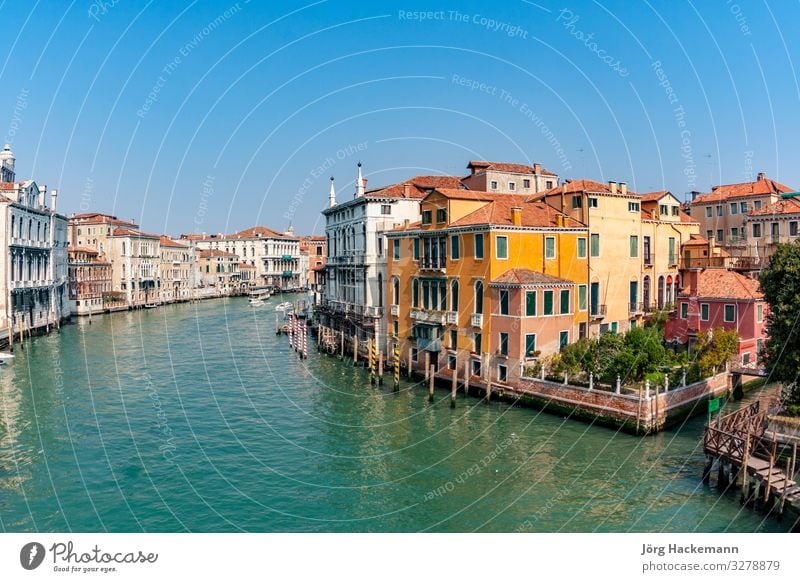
[(748, 460)]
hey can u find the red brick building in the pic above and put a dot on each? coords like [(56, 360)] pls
[(89, 281)]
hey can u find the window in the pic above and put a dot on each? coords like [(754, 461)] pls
[(455, 250), (756, 230), (730, 313), (634, 244), (704, 312), (592, 202), (427, 217), (530, 344), (415, 293), (757, 205), (396, 326), (416, 249), (478, 296), (503, 301), (453, 339), (477, 341), (734, 233), (595, 244), (719, 210), (581, 297), (646, 250), (396, 249), (395, 291), (502, 247), (663, 209), (503, 347), (676, 211), (684, 310), (793, 228), (760, 312), (530, 303), (734, 208), (526, 183), (613, 328), (709, 234), (564, 301), (494, 185), (512, 186), (454, 295), (476, 367), (478, 245), (577, 201), (549, 184), (633, 207), (386, 208), (743, 207), (549, 247), (708, 212), (441, 215), (563, 340), (502, 373), (451, 362), (548, 303), (414, 354), (719, 235), (581, 247)]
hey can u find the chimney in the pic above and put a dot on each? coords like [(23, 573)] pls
[(694, 194), (406, 189), (406, 222), (613, 186), (42, 191), (53, 199), (760, 176), (537, 168), (623, 188), (559, 220), (516, 216)]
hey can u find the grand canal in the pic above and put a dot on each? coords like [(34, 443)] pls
[(197, 417)]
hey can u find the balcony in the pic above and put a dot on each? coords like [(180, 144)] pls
[(673, 260), (286, 274), (476, 320), (286, 257), (452, 318), (597, 311), (647, 260), (635, 308), (703, 262), (433, 263), (428, 316), (395, 310)]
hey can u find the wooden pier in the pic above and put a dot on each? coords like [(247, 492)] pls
[(746, 459)]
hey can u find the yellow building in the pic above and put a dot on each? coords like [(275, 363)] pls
[(478, 263), (634, 248)]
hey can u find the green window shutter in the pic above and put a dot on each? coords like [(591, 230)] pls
[(530, 303), (634, 246), (502, 247), (416, 249), (455, 251), (581, 248), (548, 303), (530, 344), (582, 297), (595, 245), (564, 301), (478, 246)]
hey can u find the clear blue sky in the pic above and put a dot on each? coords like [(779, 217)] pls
[(190, 118)]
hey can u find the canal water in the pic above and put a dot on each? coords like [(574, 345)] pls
[(197, 417)]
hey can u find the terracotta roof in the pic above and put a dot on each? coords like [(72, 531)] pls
[(686, 218), (201, 236), (204, 254), (5, 199), (695, 240), (785, 206), (582, 185), (409, 226), (8, 186), (724, 284), (168, 242), (654, 196), (258, 232), (760, 187), (133, 232), (418, 187), (534, 214), (87, 250), (100, 218), (246, 266), (528, 277), (507, 167)]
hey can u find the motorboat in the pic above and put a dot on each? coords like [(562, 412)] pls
[(5, 357), (285, 306)]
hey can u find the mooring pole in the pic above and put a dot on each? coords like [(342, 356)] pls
[(454, 387), (430, 383)]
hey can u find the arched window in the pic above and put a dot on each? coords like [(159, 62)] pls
[(668, 294), (415, 293), (479, 297), (454, 295), (395, 291), (646, 291), (13, 226), (660, 297)]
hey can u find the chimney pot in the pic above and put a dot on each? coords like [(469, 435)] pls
[(537, 168), (623, 187), (516, 216), (406, 188), (613, 186), (761, 175)]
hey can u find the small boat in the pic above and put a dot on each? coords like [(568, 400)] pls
[(285, 306), (150, 305), (5, 357), (255, 301)]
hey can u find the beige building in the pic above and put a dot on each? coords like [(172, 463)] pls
[(774, 224), (633, 249), (220, 270), (135, 259), (721, 213), (503, 177), (176, 271), (93, 229)]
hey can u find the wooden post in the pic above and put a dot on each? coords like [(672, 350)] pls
[(430, 383), (369, 361), (342, 332), (410, 361), (355, 350), (639, 411), (21, 342), (10, 336), (454, 387), (427, 364), (380, 367), (396, 367), (745, 458), (769, 477), (466, 377)]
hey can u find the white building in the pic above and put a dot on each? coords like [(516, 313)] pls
[(135, 259), (34, 274), (354, 297)]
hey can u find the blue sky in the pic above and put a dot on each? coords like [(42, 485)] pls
[(214, 116)]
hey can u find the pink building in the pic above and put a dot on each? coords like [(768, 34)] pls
[(713, 298), (532, 315)]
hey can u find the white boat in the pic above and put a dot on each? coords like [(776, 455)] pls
[(5, 357), (285, 306), (150, 305), (255, 301)]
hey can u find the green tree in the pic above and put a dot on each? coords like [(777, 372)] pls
[(780, 283), (715, 349)]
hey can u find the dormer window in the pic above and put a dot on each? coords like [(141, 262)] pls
[(494, 184)]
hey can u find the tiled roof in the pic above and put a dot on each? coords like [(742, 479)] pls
[(99, 217), (506, 167), (582, 185), (133, 232), (760, 187), (785, 206), (686, 218), (654, 196), (8, 186), (5, 199), (168, 242), (201, 236), (246, 266), (87, 250), (418, 187), (498, 212), (724, 284), (695, 240), (204, 254), (528, 277), (258, 232)]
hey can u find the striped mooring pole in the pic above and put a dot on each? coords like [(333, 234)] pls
[(372, 361), (305, 342), (291, 345), (396, 367)]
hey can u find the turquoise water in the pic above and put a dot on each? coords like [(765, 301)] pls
[(197, 417)]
